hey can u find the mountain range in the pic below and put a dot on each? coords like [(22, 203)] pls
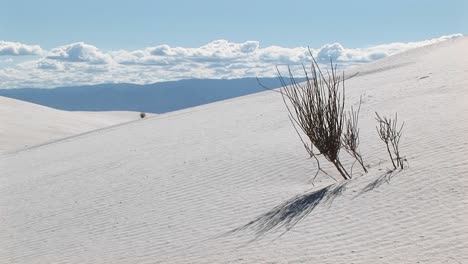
[(158, 97)]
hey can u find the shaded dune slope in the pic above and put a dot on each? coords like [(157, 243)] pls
[(25, 124)]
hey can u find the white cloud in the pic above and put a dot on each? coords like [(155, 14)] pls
[(249, 46), (18, 49), (50, 65), (216, 51), (343, 55), (81, 63), (280, 55), (330, 51), (79, 52)]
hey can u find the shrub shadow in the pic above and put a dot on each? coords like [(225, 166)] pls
[(384, 178), (290, 213)]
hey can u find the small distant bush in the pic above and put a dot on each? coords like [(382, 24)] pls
[(142, 114)]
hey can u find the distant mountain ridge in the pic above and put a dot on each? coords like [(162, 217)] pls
[(153, 98)]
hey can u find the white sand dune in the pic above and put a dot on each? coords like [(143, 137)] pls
[(169, 189), (25, 124)]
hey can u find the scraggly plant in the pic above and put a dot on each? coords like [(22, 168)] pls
[(316, 107), (350, 139), (391, 135)]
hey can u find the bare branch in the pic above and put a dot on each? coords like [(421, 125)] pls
[(391, 136), (350, 139)]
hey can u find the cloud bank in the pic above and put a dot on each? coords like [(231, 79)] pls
[(81, 63)]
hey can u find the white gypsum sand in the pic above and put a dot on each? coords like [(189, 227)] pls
[(169, 189), (25, 124)]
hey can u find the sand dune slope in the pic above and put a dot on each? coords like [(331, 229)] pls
[(25, 124), (170, 189)]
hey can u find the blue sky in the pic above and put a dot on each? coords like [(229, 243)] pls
[(97, 37), (116, 24)]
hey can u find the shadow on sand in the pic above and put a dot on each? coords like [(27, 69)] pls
[(288, 214), (384, 178)]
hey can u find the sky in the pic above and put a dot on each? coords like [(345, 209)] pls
[(46, 43)]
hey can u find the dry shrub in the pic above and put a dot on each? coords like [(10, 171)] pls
[(350, 139), (316, 107), (390, 135)]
